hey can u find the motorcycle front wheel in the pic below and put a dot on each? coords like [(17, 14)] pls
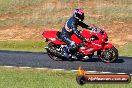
[(109, 55)]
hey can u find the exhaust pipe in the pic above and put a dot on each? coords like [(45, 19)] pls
[(46, 47), (56, 53)]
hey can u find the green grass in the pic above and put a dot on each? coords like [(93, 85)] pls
[(13, 6), (22, 45), (38, 46), (30, 12), (32, 78), (110, 13), (44, 12), (126, 50)]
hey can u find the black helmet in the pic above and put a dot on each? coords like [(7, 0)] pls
[(79, 14)]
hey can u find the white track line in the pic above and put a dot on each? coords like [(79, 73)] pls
[(106, 72), (58, 69), (42, 68), (92, 71), (7, 66), (74, 70), (121, 73), (24, 67)]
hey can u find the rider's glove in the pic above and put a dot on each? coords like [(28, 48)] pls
[(92, 28)]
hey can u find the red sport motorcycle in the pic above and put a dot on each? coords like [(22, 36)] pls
[(99, 42)]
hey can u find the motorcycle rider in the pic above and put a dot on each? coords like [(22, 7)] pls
[(70, 28)]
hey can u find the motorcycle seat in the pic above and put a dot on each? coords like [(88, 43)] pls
[(58, 36)]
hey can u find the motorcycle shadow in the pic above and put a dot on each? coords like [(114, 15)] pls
[(98, 60), (94, 59)]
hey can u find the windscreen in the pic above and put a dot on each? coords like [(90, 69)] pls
[(98, 30)]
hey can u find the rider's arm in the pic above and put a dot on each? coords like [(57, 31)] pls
[(77, 32), (83, 25)]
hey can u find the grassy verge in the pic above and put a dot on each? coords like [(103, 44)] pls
[(126, 50), (22, 45), (118, 10), (38, 46), (44, 12), (32, 78)]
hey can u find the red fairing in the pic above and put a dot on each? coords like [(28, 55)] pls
[(96, 40), (76, 39), (99, 42), (107, 46), (51, 36), (93, 45), (86, 33)]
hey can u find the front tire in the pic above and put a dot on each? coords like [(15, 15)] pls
[(109, 55), (53, 57)]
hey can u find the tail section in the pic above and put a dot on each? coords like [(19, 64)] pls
[(51, 36)]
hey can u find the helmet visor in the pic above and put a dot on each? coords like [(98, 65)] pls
[(81, 17)]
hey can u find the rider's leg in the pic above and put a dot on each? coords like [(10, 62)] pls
[(69, 42), (65, 50)]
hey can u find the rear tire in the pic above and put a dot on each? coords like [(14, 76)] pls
[(109, 55), (50, 54), (53, 57)]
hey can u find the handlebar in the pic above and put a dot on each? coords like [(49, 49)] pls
[(96, 29)]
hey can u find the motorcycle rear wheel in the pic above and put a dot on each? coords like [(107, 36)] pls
[(51, 55), (109, 55)]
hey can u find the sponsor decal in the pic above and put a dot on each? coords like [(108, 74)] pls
[(52, 39)]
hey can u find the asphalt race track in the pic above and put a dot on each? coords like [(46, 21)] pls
[(41, 60)]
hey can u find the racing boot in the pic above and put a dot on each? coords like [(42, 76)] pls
[(73, 48), (65, 50), (74, 57)]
